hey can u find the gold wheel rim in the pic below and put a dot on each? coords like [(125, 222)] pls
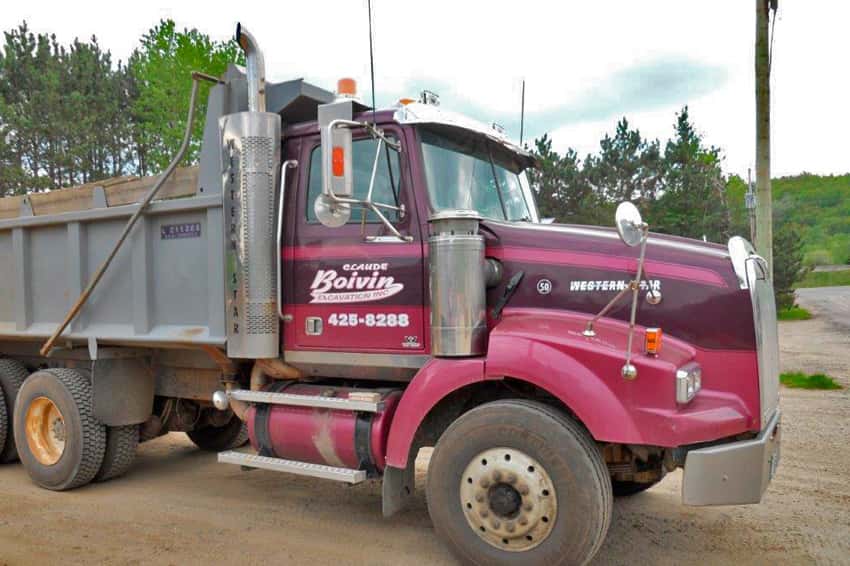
[(45, 430)]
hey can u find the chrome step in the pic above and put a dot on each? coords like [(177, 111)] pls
[(291, 466), (367, 403)]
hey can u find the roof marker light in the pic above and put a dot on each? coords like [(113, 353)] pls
[(346, 87)]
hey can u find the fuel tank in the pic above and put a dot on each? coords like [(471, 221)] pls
[(344, 439)]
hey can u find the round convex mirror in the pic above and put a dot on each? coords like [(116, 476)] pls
[(331, 214), (629, 224)]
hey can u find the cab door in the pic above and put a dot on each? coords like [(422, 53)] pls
[(354, 288)]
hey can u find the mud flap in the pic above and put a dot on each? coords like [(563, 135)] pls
[(122, 390), (398, 487)]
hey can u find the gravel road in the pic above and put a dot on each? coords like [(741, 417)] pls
[(177, 506)]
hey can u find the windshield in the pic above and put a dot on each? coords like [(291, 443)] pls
[(468, 171)]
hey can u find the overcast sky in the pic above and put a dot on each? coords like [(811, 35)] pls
[(586, 64)]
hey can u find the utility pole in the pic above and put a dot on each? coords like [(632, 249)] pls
[(764, 200)]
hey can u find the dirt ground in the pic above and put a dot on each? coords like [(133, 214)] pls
[(178, 506)]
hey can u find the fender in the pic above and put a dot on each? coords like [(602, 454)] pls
[(436, 379)]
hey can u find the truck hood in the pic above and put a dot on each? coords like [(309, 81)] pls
[(580, 268)]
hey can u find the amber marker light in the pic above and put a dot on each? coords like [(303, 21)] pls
[(653, 341), (338, 161), (346, 87), (405, 101)]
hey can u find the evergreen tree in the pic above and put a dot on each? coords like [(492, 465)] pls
[(160, 82)]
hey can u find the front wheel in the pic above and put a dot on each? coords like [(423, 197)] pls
[(518, 482)]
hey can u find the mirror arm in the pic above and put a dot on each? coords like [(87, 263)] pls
[(629, 371), (388, 224)]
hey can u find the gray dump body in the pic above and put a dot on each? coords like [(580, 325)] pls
[(166, 285), (184, 274)]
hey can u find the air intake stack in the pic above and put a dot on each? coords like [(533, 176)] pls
[(250, 166), (457, 284)]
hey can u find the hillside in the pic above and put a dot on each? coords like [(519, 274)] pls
[(819, 204)]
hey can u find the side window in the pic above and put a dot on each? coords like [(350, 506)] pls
[(387, 179)]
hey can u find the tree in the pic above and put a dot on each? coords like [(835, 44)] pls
[(627, 167), (160, 82), (692, 202), (561, 188), (61, 117), (788, 263)]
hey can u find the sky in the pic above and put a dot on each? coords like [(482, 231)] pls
[(586, 64)]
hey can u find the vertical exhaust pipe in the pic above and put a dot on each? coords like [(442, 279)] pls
[(251, 144), (255, 67)]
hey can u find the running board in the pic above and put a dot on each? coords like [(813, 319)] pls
[(290, 466), (366, 402)]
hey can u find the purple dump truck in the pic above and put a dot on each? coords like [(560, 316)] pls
[(342, 286)]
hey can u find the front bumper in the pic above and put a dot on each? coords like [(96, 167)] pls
[(735, 473)]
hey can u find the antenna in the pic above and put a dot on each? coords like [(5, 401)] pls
[(522, 114), (372, 62)]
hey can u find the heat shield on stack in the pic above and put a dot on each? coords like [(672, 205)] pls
[(251, 154)]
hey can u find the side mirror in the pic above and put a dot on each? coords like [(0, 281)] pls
[(630, 225), (337, 176)]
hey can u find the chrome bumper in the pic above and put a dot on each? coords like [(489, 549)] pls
[(733, 474)]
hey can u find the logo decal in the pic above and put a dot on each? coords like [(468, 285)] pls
[(544, 286), (358, 283), (583, 286)]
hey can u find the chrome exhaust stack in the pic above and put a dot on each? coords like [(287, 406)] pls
[(255, 66), (250, 169)]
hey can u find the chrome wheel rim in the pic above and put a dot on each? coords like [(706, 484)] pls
[(508, 499), (45, 431)]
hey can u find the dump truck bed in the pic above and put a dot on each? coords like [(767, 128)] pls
[(165, 286)]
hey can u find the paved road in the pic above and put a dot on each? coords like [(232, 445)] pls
[(831, 303)]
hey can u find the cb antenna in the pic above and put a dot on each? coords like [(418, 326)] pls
[(372, 63), (522, 114)]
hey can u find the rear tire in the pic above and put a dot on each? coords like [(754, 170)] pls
[(121, 444), (4, 422), (218, 438), (553, 509), (12, 376), (61, 443)]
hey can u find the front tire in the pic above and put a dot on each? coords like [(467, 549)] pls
[(4, 421), (60, 442), (218, 438), (518, 482)]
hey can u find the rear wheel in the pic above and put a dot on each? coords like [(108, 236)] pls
[(60, 442), (518, 482), (12, 376), (121, 444), (217, 438), (4, 421)]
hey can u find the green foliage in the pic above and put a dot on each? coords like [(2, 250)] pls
[(680, 190), (787, 262), (62, 113), (69, 116), (800, 380), (160, 71), (825, 279), (793, 313)]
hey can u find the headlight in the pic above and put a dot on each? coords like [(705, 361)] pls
[(688, 382)]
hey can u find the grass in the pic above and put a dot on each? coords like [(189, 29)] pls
[(800, 380), (793, 313), (825, 279)]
